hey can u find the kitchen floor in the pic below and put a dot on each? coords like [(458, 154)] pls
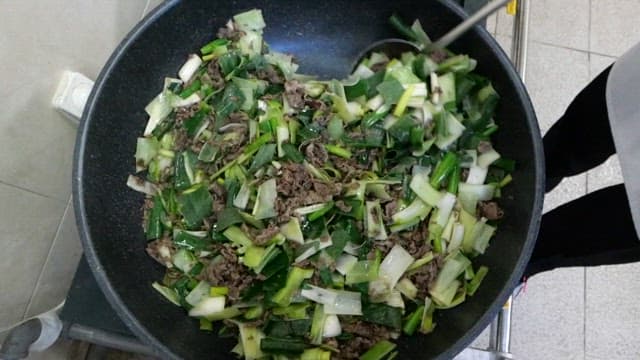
[(572, 313)]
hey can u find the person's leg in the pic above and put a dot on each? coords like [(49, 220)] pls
[(596, 229), (581, 139)]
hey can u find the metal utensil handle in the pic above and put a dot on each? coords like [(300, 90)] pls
[(500, 332), (479, 15)]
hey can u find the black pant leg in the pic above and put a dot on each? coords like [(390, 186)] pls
[(581, 139), (596, 229)]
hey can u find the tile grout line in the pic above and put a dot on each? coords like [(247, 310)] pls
[(29, 191), (571, 48), (46, 260)]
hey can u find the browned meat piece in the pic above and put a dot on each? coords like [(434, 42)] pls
[(490, 210), (228, 272), (294, 180), (379, 66), (316, 154), (439, 56), (219, 197), (235, 147), (186, 112), (326, 190), (294, 94), (365, 336), (317, 104), (383, 245), (215, 73), (297, 188), (349, 168), (416, 242), (162, 250), (423, 278), (270, 74), (342, 206), (146, 206), (390, 208), (265, 235), (230, 34), (238, 117)]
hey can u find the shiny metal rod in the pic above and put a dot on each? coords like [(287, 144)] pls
[(456, 32), (500, 332), (521, 38)]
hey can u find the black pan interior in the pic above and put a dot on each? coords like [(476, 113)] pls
[(326, 36)]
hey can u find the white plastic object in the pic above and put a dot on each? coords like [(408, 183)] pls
[(72, 94), (189, 68), (50, 332)]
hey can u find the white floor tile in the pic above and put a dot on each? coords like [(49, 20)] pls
[(562, 23), (554, 76), (504, 23), (614, 26), (59, 268), (613, 312), (607, 174), (597, 63), (491, 23), (506, 43), (36, 143), (569, 189), (548, 318), (28, 223)]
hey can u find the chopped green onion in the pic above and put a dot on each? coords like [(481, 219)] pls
[(294, 279), (414, 321), (338, 151)]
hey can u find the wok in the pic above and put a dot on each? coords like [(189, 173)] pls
[(326, 36)]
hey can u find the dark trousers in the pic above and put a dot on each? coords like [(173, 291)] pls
[(596, 229)]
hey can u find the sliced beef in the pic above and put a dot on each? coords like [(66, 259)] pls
[(215, 73), (233, 148), (326, 190), (423, 278), (186, 112), (263, 236), (219, 195), (353, 168), (294, 94), (296, 188), (162, 250), (294, 180), (379, 66), (146, 206), (342, 206), (416, 241), (490, 210), (270, 74), (227, 271), (390, 208), (439, 55), (238, 117), (230, 34), (365, 336), (316, 154)]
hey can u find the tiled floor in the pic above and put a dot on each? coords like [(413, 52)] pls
[(565, 314)]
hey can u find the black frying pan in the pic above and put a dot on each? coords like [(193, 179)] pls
[(326, 36)]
